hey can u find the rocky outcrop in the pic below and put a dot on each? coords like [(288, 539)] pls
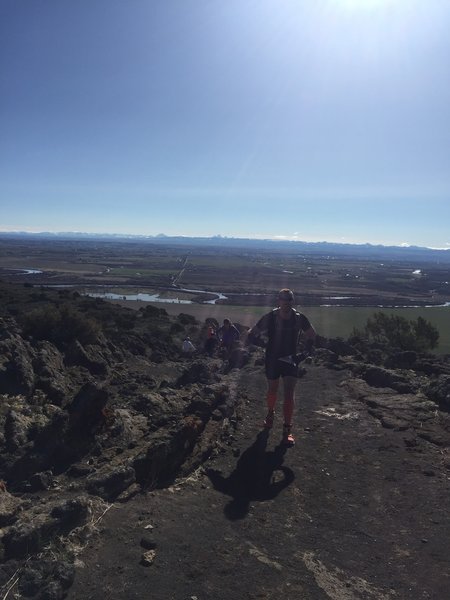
[(402, 382), (16, 361), (9, 507), (102, 421), (438, 389)]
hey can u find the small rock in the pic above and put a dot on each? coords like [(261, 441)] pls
[(148, 557)]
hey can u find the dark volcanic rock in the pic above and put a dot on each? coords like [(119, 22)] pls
[(86, 409), (401, 412), (198, 372), (41, 481), (46, 579), (89, 357), (428, 366), (158, 416), (111, 482), (380, 377), (326, 356), (26, 538), (9, 507), (341, 347), (49, 367), (36, 529), (71, 512), (439, 391), (16, 430), (16, 361), (238, 358)]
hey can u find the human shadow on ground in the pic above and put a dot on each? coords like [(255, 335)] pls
[(259, 475)]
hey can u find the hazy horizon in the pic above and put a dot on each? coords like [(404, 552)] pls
[(266, 119), (217, 236)]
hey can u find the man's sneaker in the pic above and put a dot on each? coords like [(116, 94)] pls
[(268, 421), (288, 438)]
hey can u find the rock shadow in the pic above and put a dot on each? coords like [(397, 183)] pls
[(259, 475)]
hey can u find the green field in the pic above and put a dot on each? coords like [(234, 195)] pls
[(340, 321), (329, 321)]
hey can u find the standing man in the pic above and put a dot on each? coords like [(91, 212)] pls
[(282, 327), (228, 335)]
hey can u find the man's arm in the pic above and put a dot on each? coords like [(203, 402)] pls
[(256, 331)]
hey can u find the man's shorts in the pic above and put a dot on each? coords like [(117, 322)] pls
[(277, 368)]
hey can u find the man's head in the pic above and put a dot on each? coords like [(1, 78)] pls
[(226, 322), (285, 297)]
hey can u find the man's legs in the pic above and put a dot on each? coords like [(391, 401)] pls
[(288, 407), (272, 390)]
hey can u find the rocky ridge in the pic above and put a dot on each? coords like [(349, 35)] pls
[(103, 414)]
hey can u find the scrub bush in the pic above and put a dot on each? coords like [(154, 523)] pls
[(60, 325), (419, 335)]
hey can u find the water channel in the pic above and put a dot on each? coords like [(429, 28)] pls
[(144, 297)]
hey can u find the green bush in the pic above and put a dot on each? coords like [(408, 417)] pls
[(176, 328), (150, 311), (60, 325), (185, 319), (125, 320), (419, 335)]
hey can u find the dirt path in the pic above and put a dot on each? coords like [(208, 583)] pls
[(353, 512)]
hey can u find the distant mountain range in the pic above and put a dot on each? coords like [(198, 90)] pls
[(361, 251)]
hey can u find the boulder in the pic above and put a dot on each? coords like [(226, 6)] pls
[(197, 372), (380, 377), (341, 347), (16, 430), (71, 513), (87, 408), (16, 358), (111, 481), (9, 507), (439, 391), (88, 357), (238, 358)]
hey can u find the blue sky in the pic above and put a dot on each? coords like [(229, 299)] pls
[(304, 119)]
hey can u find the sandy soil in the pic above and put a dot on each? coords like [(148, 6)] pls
[(353, 512)]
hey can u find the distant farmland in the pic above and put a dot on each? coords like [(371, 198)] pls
[(329, 321)]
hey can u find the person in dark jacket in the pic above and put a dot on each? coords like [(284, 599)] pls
[(228, 334), (283, 327)]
